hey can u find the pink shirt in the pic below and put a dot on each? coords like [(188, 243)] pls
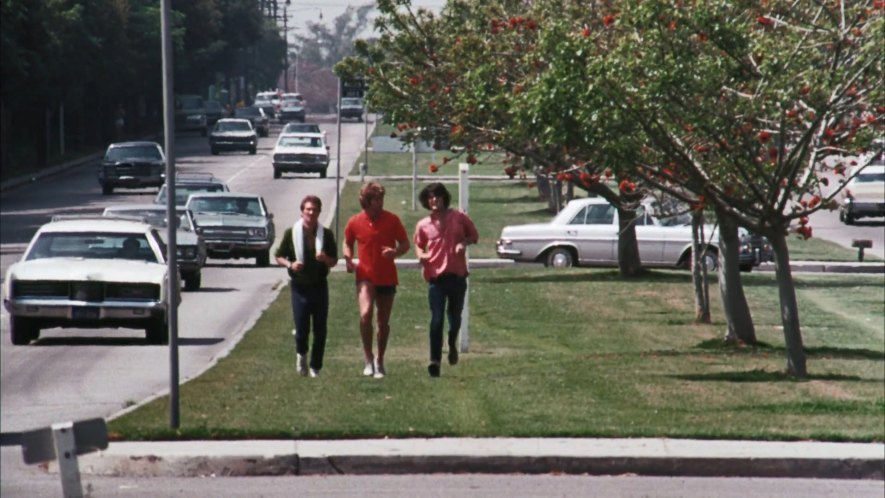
[(439, 238)]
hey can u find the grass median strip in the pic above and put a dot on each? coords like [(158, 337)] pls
[(567, 353)]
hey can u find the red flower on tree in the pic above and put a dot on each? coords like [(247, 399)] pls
[(433, 168)]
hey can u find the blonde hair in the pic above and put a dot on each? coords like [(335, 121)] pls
[(369, 192)]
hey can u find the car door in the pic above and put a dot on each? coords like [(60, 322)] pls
[(650, 238), (594, 234)]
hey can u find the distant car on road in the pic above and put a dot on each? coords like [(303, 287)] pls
[(214, 112), (585, 233), (260, 120), (864, 195), (132, 165), (233, 134), (190, 114), (291, 110), (89, 273), (191, 250), (301, 128), (351, 108), (192, 183), (234, 225), (300, 153)]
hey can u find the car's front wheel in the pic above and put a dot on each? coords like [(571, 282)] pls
[(253, 151), (277, 173), (22, 330), (107, 190), (560, 257), (263, 258), (157, 332)]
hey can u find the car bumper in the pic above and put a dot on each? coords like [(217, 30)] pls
[(66, 313), (299, 167), (132, 181), (352, 114), (234, 145), (225, 249)]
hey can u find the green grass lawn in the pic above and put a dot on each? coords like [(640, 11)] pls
[(580, 352)]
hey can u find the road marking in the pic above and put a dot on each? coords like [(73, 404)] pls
[(243, 170)]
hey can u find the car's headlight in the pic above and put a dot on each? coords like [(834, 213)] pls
[(258, 232), (188, 252)]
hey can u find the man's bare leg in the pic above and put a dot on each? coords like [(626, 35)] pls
[(365, 299)]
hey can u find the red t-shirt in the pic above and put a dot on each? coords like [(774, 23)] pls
[(370, 237)]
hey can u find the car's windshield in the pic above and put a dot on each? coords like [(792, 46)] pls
[(182, 192), (92, 245), (233, 126), (349, 101), (226, 205), (247, 111), (133, 152), (301, 128), (300, 142), (189, 102)]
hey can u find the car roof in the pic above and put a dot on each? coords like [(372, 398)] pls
[(234, 120), (134, 144), (306, 134), (140, 207), (226, 194), (96, 224)]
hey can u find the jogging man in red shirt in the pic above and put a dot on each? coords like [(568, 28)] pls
[(380, 238)]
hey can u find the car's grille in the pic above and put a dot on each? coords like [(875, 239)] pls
[(227, 233), (40, 288), (301, 158), (84, 291), (135, 169)]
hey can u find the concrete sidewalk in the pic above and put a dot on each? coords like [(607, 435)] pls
[(663, 457)]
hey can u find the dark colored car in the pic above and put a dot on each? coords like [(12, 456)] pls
[(214, 112), (291, 110), (190, 114), (132, 165), (233, 134), (260, 120), (754, 250), (352, 108)]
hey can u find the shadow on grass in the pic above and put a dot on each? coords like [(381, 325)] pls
[(763, 376), (817, 352)]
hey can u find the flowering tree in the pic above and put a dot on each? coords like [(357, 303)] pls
[(736, 104)]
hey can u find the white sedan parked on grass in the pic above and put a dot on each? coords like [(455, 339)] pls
[(585, 233), (89, 273)]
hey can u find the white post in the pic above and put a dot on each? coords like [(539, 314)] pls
[(414, 175), (66, 454), (463, 205)]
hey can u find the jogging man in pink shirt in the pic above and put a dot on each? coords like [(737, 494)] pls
[(441, 241)]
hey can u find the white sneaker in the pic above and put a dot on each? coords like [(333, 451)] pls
[(301, 364), (369, 369), (379, 370), (314, 373)]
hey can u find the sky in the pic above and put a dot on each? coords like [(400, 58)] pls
[(302, 11)]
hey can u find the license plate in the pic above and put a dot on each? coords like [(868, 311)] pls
[(90, 313)]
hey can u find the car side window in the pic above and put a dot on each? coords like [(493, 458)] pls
[(600, 214), (642, 217)]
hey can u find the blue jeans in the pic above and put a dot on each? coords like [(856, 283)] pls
[(445, 288), (310, 302)]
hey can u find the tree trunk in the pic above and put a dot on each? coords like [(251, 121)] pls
[(629, 262), (731, 290), (699, 270), (789, 307)]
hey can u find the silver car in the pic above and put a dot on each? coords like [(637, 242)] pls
[(191, 250), (585, 232), (234, 225)]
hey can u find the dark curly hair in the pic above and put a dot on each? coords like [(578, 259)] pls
[(435, 189)]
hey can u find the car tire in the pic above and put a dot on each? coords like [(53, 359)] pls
[(22, 330), (157, 332), (746, 267), (192, 280), (204, 132), (559, 257), (263, 259), (849, 219), (107, 190), (323, 174), (277, 173), (253, 151), (214, 151)]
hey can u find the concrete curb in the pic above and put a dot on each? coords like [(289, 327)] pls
[(662, 457)]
